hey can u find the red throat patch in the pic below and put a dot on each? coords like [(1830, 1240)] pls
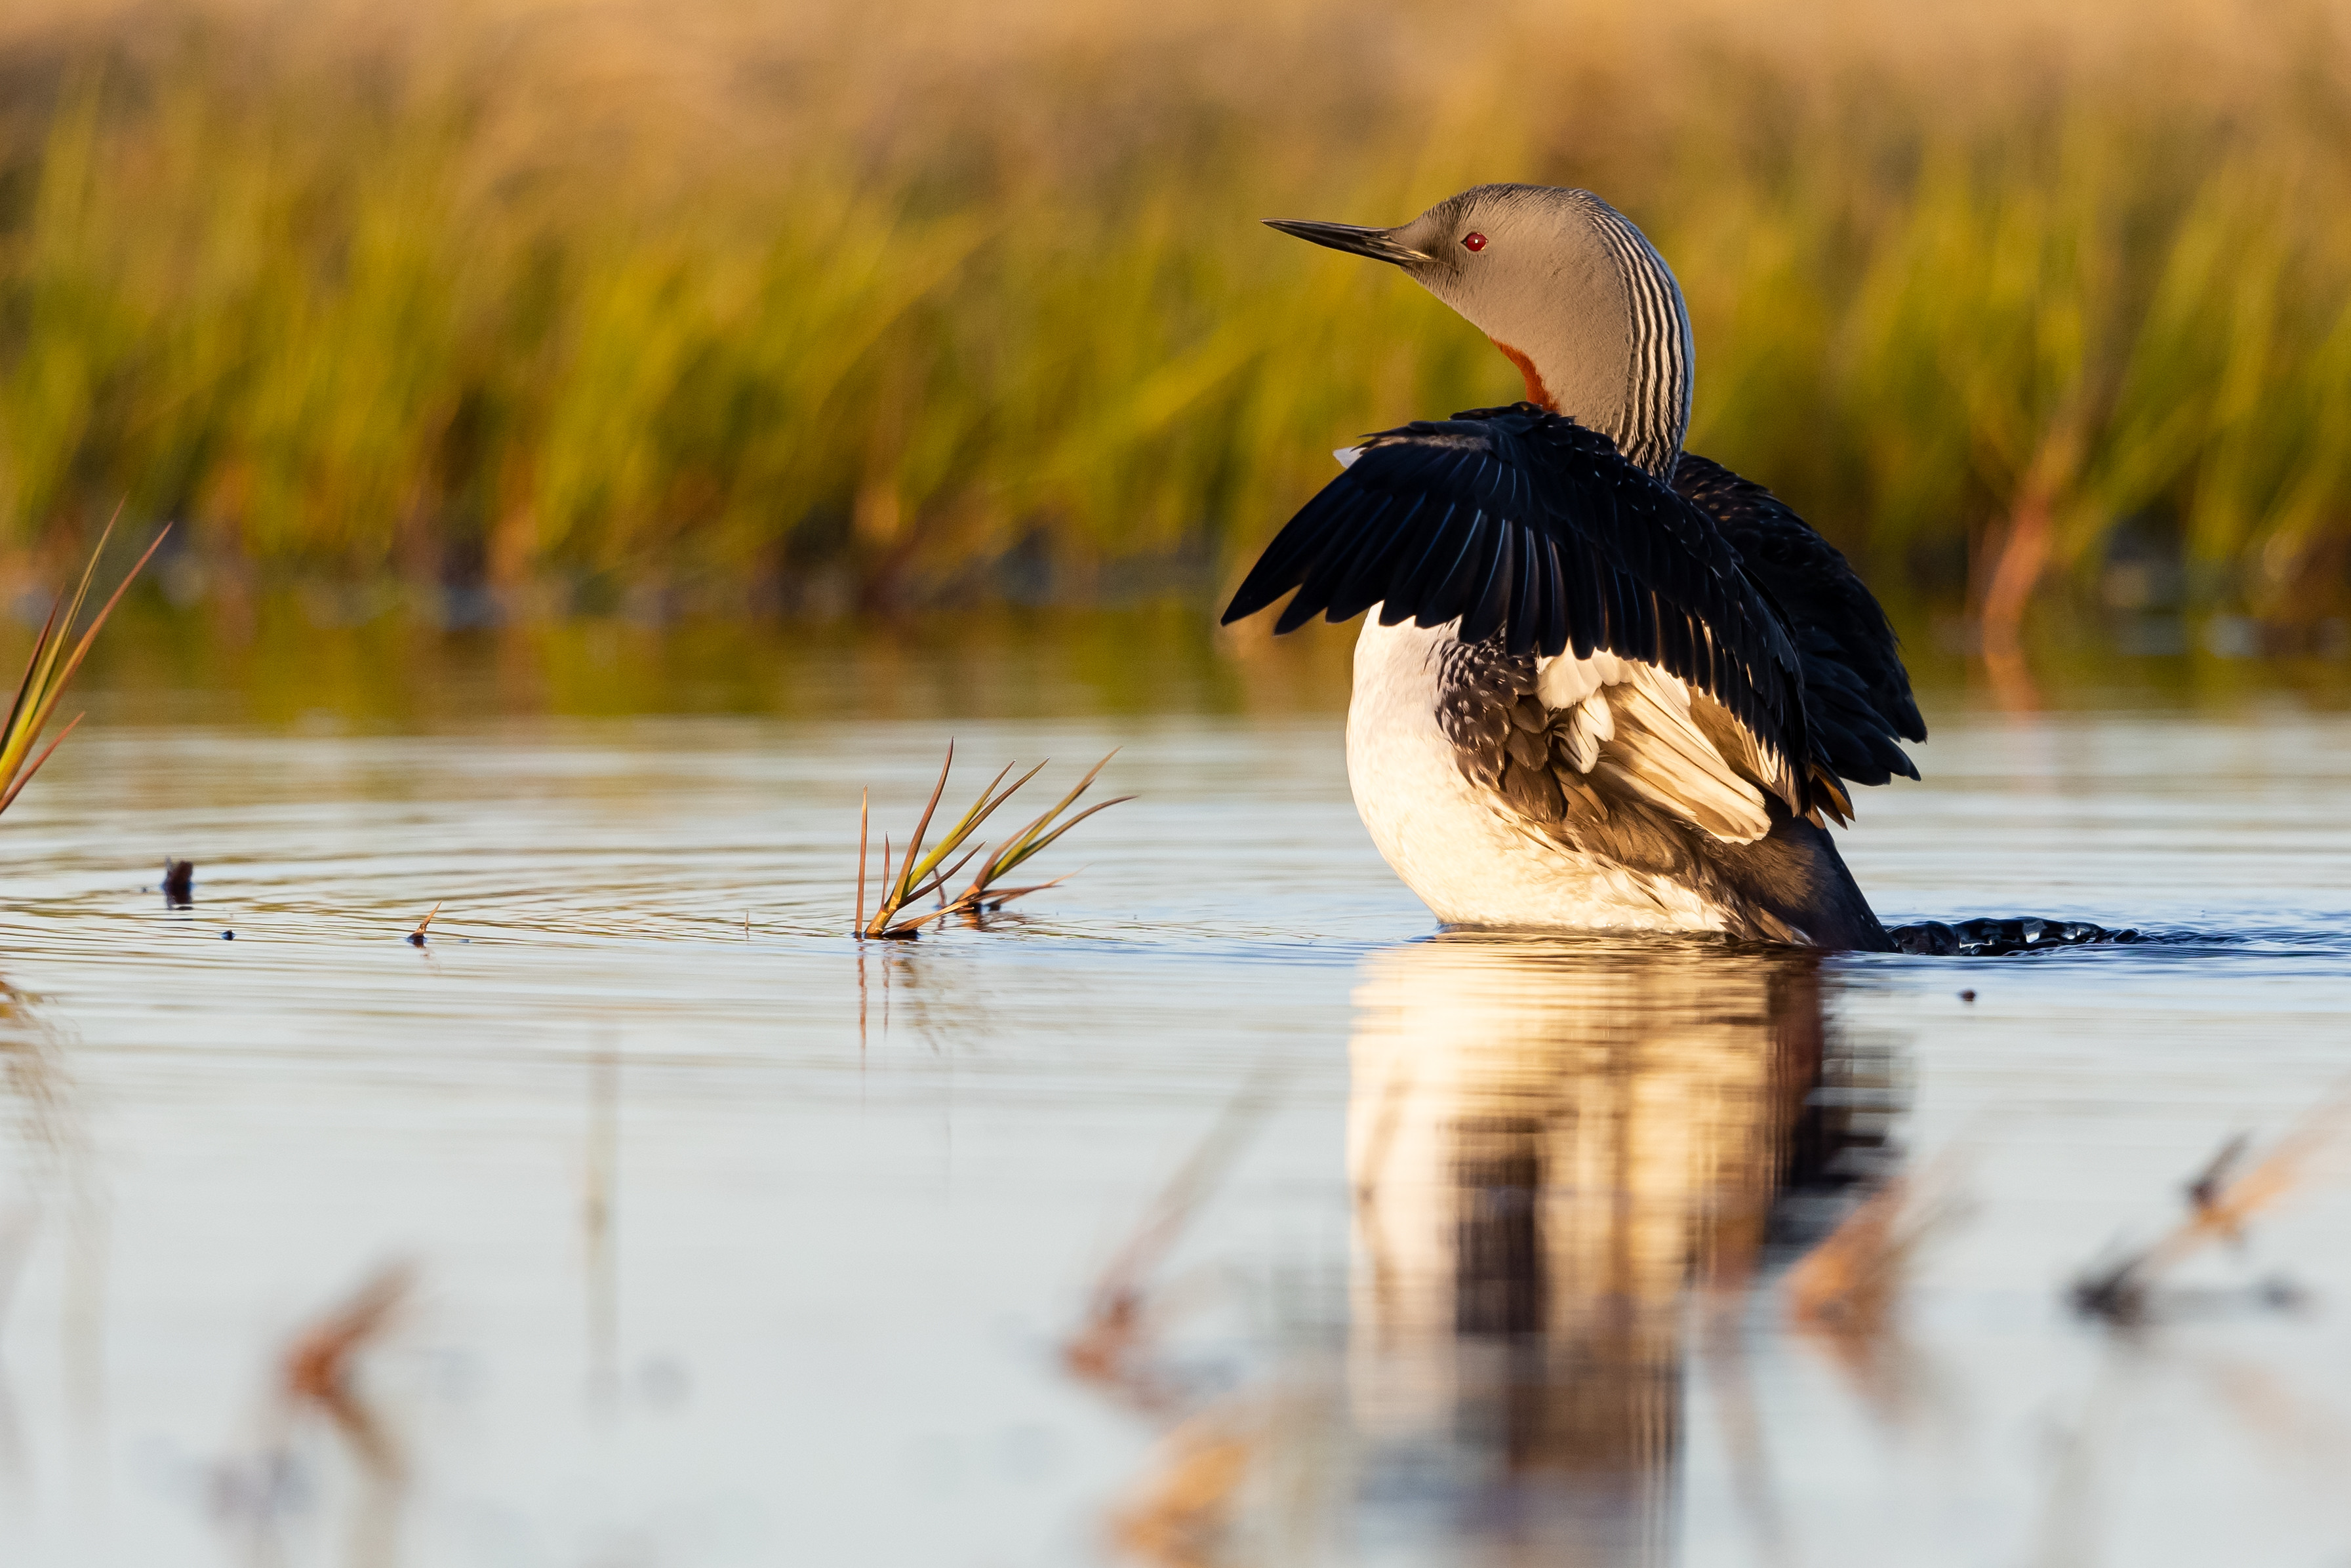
[(1536, 391)]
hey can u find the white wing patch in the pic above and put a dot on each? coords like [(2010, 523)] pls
[(1645, 732), (1591, 726)]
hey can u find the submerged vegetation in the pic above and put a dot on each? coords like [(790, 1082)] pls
[(567, 307)]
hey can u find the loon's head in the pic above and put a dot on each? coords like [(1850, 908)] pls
[(1568, 288)]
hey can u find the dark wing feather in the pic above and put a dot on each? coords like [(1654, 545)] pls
[(1527, 526), (1860, 699)]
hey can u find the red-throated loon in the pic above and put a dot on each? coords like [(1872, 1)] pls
[(1605, 684)]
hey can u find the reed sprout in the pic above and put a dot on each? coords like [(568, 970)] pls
[(983, 895), (55, 658), (920, 873)]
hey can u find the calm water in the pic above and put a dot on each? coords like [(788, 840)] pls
[(1212, 1211)]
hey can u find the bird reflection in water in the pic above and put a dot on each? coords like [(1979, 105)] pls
[(1553, 1144)]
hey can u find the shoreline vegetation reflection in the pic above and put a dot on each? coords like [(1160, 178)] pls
[(394, 672)]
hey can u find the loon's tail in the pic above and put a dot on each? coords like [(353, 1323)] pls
[(1991, 938)]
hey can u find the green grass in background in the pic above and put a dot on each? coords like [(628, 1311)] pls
[(588, 308)]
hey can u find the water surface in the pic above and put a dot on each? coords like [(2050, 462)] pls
[(1210, 1210)]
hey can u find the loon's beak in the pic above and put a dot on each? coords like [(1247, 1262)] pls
[(1380, 245)]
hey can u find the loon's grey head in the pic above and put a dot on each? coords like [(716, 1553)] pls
[(1565, 287)]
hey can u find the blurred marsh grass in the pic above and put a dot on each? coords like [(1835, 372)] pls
[(609, 304)]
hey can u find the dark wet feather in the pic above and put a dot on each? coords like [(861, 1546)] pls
[(1860, 703), (1360, 587), (1640, 568)]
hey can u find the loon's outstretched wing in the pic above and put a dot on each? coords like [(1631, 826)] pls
[(1538, 535), (1858, 695)]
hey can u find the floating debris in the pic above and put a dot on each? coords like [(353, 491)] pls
[(317, 1378), (228, 936), (416, 937), (2125, 1291), (179, 883), (920, 875), (2204, 1191), (1842, 1293), (1844, 1298), (1182, 1516), (1968, 995), (316, 1372), (1995, 938), (1111, 1348)]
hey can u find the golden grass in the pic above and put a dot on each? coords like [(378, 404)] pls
[(986, 895), (49, 668), (919, 874), (765, 307)]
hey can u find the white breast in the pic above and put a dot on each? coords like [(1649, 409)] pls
[(1470, 862)]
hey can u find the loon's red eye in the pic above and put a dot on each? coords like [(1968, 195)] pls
[(1473, 242)]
